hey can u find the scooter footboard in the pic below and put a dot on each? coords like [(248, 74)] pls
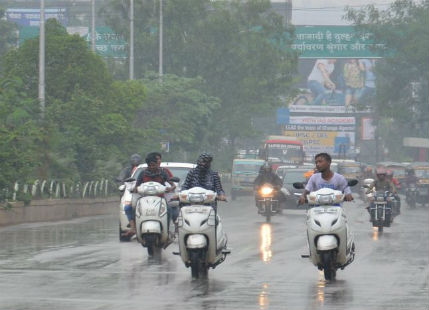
[(326, 243)]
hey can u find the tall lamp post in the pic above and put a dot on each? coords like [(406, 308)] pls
[(131, 60), (160, 41), (42, 58), (93, 25)]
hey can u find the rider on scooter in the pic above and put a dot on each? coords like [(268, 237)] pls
[(267, 175), (152, 173), (325, 178), (128, 171), (203, 176)]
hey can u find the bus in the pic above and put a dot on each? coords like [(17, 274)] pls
[(282, 150)]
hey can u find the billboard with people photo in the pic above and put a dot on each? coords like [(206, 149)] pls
[(336, 68)]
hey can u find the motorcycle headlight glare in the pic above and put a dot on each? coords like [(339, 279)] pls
[(266, 190)]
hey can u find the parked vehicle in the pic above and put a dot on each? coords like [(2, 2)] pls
[(244, 173), (330, 241), (202, 241)]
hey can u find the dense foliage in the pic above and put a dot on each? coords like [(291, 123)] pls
[(403, 73), (240, 48)]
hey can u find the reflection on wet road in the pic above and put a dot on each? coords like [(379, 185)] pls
[(266, 239), (80, 264)]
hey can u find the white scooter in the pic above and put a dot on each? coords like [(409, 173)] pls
[(151, 217), (127, 198), (330, 241), (202, 241)]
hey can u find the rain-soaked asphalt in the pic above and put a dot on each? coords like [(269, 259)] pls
[(80, 264)]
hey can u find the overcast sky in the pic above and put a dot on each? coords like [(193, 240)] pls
[(327, 12)]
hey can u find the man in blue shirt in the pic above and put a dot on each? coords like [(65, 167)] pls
[(325, 178)]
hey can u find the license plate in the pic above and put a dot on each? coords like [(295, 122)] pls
[(150, 212)]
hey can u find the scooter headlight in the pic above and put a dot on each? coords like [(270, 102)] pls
[(138, 211), (212, 218), (180, 220), (162, 209), (196, 198)]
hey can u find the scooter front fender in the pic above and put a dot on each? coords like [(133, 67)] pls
[(196, 241), (326, 243), (152, 227)]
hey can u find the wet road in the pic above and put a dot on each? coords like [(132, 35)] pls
[(80, 264)]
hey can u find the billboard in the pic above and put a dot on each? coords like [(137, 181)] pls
[(336, 68), (108, 44), (31, 17), (334, 135)]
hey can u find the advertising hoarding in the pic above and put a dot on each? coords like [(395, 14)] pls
[(31, 17)]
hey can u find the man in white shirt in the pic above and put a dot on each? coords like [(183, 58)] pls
[(319, 80)]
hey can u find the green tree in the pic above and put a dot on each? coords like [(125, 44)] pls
[(86, 128), (69, 65), (178, 111), (20, 134), (240, 48), (403, 73), (8, 37)]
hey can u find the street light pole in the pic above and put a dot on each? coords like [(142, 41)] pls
[(160, 41), (93, 25), (131, 60), (42, 58)]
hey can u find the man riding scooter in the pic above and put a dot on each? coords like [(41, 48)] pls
[(268, 176)]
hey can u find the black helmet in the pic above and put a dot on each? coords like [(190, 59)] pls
[(205, 157), (135, 160)]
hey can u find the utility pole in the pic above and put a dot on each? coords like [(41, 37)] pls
[(160, 41), (42, 58), (131, 60), (93, 35)]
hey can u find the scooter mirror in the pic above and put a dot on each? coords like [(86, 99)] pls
[(352, 182), (298, 185)]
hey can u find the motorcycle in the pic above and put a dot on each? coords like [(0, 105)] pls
[(152, 218), (411, 195), (126, 189), (202, 241), (330, 241), (380, 210), (422, 196), (266, 202)]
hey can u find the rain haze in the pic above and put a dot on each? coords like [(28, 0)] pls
[(214, 154)]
